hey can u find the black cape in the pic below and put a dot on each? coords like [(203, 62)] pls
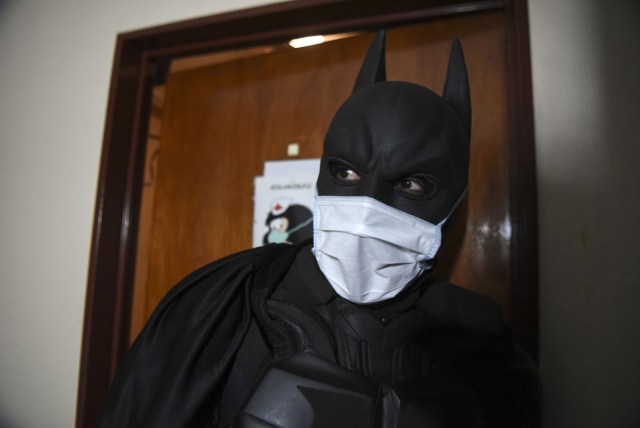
[(174, 372)]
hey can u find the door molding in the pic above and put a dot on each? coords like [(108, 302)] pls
[(140, 61)]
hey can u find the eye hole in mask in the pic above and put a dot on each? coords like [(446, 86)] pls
[(344, 173), (417, 186)]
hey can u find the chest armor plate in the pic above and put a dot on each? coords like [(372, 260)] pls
[(350, 368)]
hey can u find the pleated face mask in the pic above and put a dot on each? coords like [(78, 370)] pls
[(369, 251)]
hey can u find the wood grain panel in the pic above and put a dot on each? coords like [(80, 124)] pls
[(222, 122)]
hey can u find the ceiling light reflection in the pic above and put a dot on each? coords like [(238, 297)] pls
[(306, 41)]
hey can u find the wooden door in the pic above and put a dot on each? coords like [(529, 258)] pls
[(221, 123)]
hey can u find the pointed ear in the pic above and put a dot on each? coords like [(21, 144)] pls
[(373, 68), (456, 87)]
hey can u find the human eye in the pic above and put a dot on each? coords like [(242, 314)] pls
[(417, 186), (344, 173)]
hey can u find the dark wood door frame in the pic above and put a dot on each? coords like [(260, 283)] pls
[(141, 58)]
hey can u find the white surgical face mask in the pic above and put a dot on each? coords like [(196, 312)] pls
[(369, 251)]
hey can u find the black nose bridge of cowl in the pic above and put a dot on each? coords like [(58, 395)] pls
[(375, 185)]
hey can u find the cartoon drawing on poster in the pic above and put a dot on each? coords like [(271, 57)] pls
[(283, 203), (288, 223)]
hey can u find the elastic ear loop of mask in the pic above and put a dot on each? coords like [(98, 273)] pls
[(431, 263)]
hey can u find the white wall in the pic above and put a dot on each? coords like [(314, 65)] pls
[(55, 62), (586, 78)]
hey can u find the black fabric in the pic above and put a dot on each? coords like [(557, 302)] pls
[(175, 371), (273, 269), (252, 361)]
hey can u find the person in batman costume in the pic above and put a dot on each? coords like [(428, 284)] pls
[(350, 330)]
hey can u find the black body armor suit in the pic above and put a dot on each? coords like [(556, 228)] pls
[(435, 357)]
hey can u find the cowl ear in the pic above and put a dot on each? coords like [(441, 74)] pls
[(373, 68), (456, 87)]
